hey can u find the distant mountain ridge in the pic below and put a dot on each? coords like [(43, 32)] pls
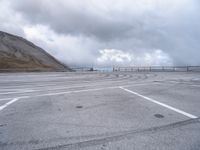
[(19, 53)]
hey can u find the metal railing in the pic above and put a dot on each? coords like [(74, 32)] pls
[(116, 69), (82, 69), (92, 69), (158, 69)]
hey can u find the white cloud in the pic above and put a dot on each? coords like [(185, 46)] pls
[(73, 50), (139, 32), (70, 49), (119, 57), (156, 58), (10, 21), (113, 56)]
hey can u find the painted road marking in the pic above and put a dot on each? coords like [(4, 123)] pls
[(17, 92), (78, 91), (8, 103), (11, 102), (86, 90), (195, 85), (59, 93), (159, 103), (185, 83), (5, 99), (52, 94), (97, 89)]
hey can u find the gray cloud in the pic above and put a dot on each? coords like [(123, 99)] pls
[(134, 27), (65, 18)]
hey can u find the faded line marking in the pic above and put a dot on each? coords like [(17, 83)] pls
[(5, 99), (60, 93), (52, 94), (84, 86), (159, 103), (195, 85), (140, 84), (184, 83), (78, 91), (17, 92)]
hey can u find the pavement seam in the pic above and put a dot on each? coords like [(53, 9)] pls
[(113, 137)]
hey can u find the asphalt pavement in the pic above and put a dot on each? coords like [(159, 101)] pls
[(100, 111)]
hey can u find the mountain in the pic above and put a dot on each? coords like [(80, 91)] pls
[(18, 53)]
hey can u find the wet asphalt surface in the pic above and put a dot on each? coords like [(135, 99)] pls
[(100, 111)]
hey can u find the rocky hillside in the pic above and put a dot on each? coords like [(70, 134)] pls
[(18, 53)]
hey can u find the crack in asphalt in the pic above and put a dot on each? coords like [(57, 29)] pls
[(112, 137)]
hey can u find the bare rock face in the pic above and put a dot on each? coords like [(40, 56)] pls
[(18, 53)]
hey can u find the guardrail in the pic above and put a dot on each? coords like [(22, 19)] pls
[(82, 69), (158, 69), (92, 69), (115, 69)]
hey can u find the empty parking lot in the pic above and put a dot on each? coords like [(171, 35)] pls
[(97, 111)]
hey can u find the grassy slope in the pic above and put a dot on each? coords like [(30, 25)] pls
[(8, 63)]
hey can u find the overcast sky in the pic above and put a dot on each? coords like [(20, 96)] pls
[(109, 32)]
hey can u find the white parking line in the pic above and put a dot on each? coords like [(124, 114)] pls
[(5, 99), (46, 88), (52, 94), (11, 102), (97, 89), (87, 90), (8, 103), (14, 89), (58, 93), (17, 92), (185, 83), (78, 91), (140, 84), (159, 103), (195, 85)]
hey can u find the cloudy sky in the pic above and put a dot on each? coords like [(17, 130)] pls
[(109, 32)]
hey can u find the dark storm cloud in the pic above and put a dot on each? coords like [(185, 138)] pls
[(66, 18), (140, 27)]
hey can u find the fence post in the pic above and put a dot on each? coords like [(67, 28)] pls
[(187, 68)]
